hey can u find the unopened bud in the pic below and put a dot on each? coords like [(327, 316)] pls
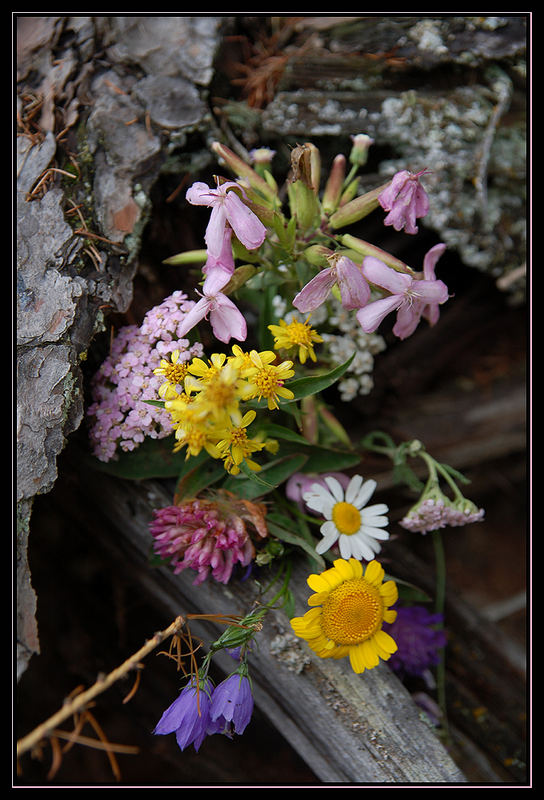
[(356, 209), (333, 187), (304, 205), (244, 170), (318, 255), (366, 249), (359, 151)]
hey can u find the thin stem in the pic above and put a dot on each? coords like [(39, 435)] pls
[(81, 700), (440, 602)]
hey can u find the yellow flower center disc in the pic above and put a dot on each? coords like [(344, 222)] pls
[(347, 518), (352, 612)]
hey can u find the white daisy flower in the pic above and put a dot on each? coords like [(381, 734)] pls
[(348, 522)]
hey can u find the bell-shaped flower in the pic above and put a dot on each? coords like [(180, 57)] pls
[(189, 715), (354, 290), (405, 199), (227, 207), (232, 704), (410, 297), (226, 320)]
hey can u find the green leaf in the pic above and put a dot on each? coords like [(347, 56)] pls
[(324, 459), (280, 432), (153, 458), (289, 537), (303, 387), (250, 484), (199, 477)]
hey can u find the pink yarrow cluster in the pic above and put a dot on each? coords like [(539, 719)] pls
[(430, 515), (197, 535), (120, 418)]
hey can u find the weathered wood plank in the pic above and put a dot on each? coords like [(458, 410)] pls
[(348, 728)]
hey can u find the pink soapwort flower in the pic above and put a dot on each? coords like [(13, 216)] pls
[(354, 290), (227, 207), (405, 199), (226, 320), (410, 297), (224, 261)]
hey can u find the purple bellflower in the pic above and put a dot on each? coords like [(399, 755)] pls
[(410, 297), (405, 199), (226, 320), (189, 715), (227, 207), (354, 290), (232, 704)]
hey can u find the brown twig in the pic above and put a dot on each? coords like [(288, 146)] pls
[(81, 700)]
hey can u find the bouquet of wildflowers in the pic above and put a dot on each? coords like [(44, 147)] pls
[(292, 304)]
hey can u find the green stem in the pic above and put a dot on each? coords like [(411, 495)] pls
[(440, 602)]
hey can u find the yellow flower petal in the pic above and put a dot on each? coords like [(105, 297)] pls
[(385, 641), (374, 573)]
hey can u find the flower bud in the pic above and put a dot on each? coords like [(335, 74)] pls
[(333, 188), (359, 151), (304, 205), (367, 249), (356, 209), (244, 170), (317, 255)]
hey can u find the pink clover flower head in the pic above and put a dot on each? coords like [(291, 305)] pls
[(405, 199), (189, 715), (354, 290), (202, 535), (226, 319), (410, 297), (232, 704), (419, 636), (227, 207)]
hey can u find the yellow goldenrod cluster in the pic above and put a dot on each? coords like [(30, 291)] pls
[(205, 402)]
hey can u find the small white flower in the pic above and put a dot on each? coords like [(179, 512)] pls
[(355, 528)]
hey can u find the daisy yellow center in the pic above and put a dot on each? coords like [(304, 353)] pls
[(346, 517), (352, 612)]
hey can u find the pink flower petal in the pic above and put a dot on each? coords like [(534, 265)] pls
[(194, 316), (354, 290), (315, 292), (227, 321), (379, 274), (430, 260), (408, 317), (246, 225), (371, 316)]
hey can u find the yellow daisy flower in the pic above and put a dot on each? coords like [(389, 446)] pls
[(266, 379), (347, 612), (292, 335), (174, 372)]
